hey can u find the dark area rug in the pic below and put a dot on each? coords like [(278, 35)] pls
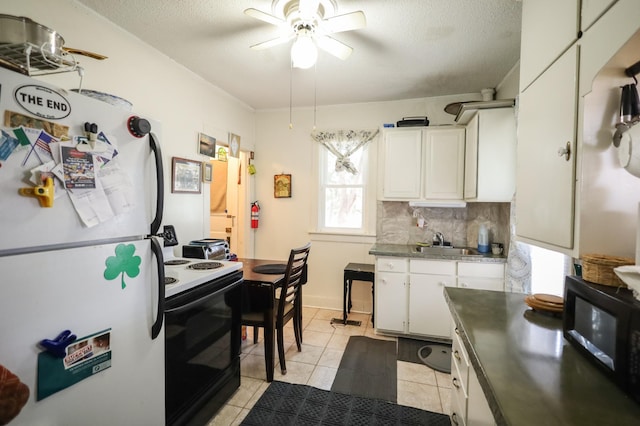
[(292, 404), (368, 369), (437, 355)]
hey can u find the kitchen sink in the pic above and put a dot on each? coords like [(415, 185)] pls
[(448, 250)]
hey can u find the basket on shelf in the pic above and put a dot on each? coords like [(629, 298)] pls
[(598, 268)]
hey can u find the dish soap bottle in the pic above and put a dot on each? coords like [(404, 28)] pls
[(483, 239)]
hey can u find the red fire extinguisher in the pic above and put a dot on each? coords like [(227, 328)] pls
[(255, 214)]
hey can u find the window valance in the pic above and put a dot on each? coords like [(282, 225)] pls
[(343, 143)]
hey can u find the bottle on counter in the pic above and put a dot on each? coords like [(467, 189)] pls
[(483, 239)]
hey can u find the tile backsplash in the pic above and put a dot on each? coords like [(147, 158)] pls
[(396, 223)]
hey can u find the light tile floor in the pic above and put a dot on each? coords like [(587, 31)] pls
[(323, 345)]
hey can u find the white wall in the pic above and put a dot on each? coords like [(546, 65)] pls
[(609, 195), (157, 86)]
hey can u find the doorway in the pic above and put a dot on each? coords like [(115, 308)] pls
[(229, 203)]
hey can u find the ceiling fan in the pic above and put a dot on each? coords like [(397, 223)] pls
[(310, 23)]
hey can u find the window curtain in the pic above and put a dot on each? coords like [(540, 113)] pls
[(343, 143)]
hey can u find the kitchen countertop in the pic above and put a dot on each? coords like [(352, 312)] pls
[(529, 373), (408, 250)]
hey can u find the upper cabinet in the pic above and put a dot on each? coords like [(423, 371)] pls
[(444, 163), (592, 10), (401, 159), (490, 156), (549, 27), (546, 155), (422, 164)]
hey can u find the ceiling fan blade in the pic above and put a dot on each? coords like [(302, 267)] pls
[(308, 8), (347, 22), (334, 47), (258, 14), (274, 42)]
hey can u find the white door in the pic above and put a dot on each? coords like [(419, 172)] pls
[(428, 310), (401, 156), (444, 164), (545, 182), (85, 290), (391, 301)]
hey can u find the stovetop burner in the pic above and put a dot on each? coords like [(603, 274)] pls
[(170, 280), (175, 262), (204, 266)]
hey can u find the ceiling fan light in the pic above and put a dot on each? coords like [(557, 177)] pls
[(304, 52)]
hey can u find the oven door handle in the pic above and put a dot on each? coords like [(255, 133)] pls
[(186, 306), (157, 324)]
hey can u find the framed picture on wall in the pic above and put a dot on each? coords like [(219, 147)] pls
[(206, 145), (185, 175), (282, 186), (207, 172)]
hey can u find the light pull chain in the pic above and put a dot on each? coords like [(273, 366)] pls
[(291, 95), (315, 94)]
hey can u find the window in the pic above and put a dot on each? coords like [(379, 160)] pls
[(548, 269), (344, 199)]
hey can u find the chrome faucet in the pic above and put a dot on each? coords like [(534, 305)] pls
[(440, 238)]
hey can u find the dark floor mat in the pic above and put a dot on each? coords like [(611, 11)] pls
[(436, 354), (292, 404), (368, 369)]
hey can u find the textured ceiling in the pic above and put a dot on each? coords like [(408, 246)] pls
[(409, 49)]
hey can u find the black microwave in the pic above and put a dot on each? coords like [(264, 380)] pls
[(603, 323)]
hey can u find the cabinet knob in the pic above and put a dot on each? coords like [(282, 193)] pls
[(454, 418), (456, 354), (454, 381), (390, 265), (464, 285), (565, 151)]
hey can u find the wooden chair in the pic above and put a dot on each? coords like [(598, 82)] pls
[(284, 307)]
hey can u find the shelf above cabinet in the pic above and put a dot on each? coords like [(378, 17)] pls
[(468, 109)]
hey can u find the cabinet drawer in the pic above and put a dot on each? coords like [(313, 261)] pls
[(484, 270), (436, 267), (494, 284), (391, 264), (460, 364), (458, 408)]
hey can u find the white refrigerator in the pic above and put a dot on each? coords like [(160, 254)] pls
[(81, 194)]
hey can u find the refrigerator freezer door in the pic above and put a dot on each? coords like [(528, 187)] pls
[(86, 290), (24, 223)]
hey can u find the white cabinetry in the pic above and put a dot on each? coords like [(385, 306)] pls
[(391, 293), (549, 27), (469, 406), (481, 276), (490, 156), (422, 164), (409, 292), (401, 155), (444, 164), (592, 10), (427, 305), (546, 179)]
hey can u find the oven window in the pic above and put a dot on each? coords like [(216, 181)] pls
[(202, 342), (595, 330)]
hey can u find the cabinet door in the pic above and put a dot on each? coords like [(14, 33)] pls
[(471, 159), (401, 157), (548, 28), (444, 164), (546, 180), (391, 301), (592, 10), (428, 310)]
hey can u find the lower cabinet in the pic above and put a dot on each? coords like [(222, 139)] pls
[(409, 292), (391, 294), (469, 406), (427, 305)]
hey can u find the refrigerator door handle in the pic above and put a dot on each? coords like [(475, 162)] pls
[(155, 147), (157, 251)]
